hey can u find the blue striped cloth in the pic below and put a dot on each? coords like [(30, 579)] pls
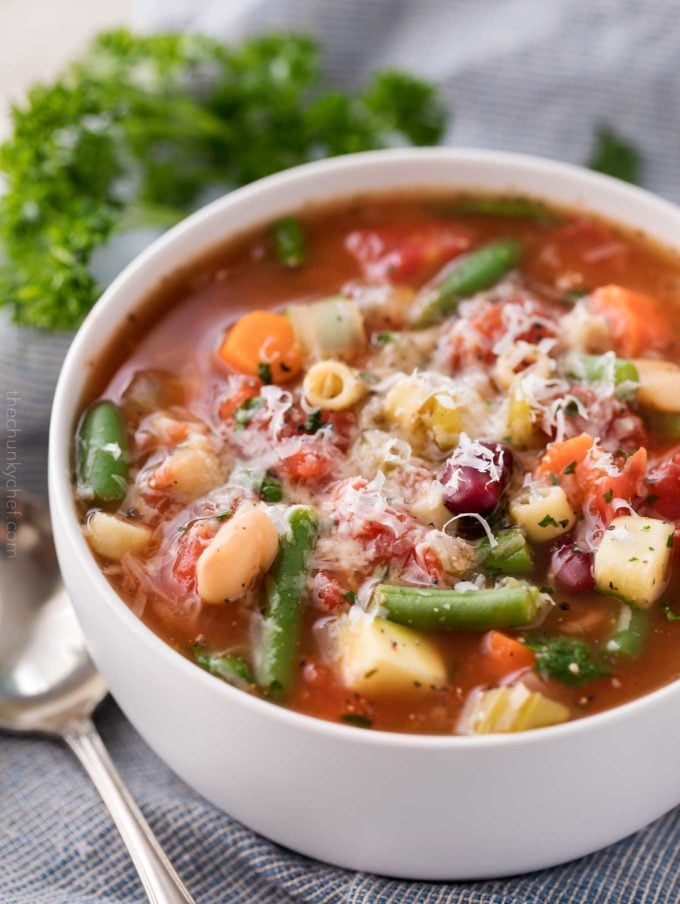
[(526, 75)]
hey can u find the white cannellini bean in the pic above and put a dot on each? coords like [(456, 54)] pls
[(112, 537), (190, 470), (659, 384), (240, 551)]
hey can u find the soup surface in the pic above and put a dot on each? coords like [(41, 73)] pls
[(406, 464)]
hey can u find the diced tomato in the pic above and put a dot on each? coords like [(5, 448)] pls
[(328, 594), (427, 559), (401, 253), (307, 463), (601, 490), (241, 388), (192, 543), (583, 470), (663, 483), (475, 336)]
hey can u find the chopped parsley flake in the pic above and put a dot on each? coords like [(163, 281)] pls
[(264, 372), (571, 467), (313, 421), (549, 521), (570, 661), (356, 719)]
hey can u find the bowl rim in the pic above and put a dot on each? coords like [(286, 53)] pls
[(65, 409)]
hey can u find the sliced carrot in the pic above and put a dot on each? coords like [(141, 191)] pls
[(564, 457), (261, 339), (504, 655), (637, 322)]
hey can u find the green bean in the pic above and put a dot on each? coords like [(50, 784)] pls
[(475, 272), (515, 208), (512, 606), (230, 668), (286, 584), (631, 633), (103, 453), (596, 368), (289, 242), (511, 554)]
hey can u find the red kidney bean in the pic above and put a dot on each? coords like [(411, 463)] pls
[(467, 490), (572, 568)]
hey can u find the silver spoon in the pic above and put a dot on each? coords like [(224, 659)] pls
[(49, 685)]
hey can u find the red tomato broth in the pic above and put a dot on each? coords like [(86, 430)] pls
[(244, 276)]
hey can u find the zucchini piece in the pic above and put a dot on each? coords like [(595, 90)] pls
[(509, 709), (332, 326)]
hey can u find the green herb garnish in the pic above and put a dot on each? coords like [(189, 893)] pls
[(289, 242), (313, 421), (570, 661), (271, 488), (246, 411), (230, 668), (615, 156), (355, 719), (384, 338), (264, 372), (139, 128)]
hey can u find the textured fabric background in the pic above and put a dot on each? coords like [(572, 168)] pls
[(525, 75)]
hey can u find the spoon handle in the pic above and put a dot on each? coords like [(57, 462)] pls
[(160, 881)]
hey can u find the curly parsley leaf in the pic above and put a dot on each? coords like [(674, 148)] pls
[(616, 156), (140, 128)]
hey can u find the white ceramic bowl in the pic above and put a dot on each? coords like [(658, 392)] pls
[(417, 807)]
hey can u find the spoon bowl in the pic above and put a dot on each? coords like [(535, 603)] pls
[(49, 684)]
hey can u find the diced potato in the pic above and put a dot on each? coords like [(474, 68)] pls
[(377, 656), (518, 358), (429, 506), (112, 537), (633, 559), (442, 416), (191, 470), (412, 403), (519, 427), (405, 400), (542, 511), (509, 709), (240, 551), (659, 385)]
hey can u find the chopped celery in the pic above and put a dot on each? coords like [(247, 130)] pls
[(328, 327), (600, 368)]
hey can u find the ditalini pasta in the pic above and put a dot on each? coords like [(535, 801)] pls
[(425, 480)]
